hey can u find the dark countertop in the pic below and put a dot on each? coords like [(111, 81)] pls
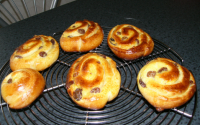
[(174, 22)]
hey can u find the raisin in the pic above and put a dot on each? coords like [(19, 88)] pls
[(43, 54), (53, 41), (142, 83), (68, 84), (159, 109), (191, 82), (98, 62), (102, 55), (130, 27), (176, 64), (162, 69), (77, 94), (95, 90), (112, 41), (17, 49), (151, 74), (40, 47), (124, 38), (75, 74), (70, 36), (18, 56), (37, 37), (137, 41), (9, 81), (81, 31), (73, 26), (118, 33)]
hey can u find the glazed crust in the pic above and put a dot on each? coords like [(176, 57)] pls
[(21, 87), (166, 84), (38, 53), (129, 42), (93, 80), (82, 36)]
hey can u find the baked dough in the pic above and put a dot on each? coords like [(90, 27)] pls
[(129, 42), (166, 84), (38, 53), (21, 87), (82, 36), (93, 80)]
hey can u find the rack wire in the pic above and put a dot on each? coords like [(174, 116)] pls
[(54, 106)]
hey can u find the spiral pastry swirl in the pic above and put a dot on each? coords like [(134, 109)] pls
[(82, 36), (21, 87), (165, 84), (93, 80), (129, 42), (38, 53)]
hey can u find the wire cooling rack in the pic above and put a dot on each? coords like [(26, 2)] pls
[(54, 106)]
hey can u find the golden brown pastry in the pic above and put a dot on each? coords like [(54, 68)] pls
[(129, 42), (165, 84), (38, 53), (21, 87), (93, 80), (82, 36)]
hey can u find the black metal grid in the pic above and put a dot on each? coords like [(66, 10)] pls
[(54, 106)]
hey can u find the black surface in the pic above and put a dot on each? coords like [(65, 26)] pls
[(174, 22)]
